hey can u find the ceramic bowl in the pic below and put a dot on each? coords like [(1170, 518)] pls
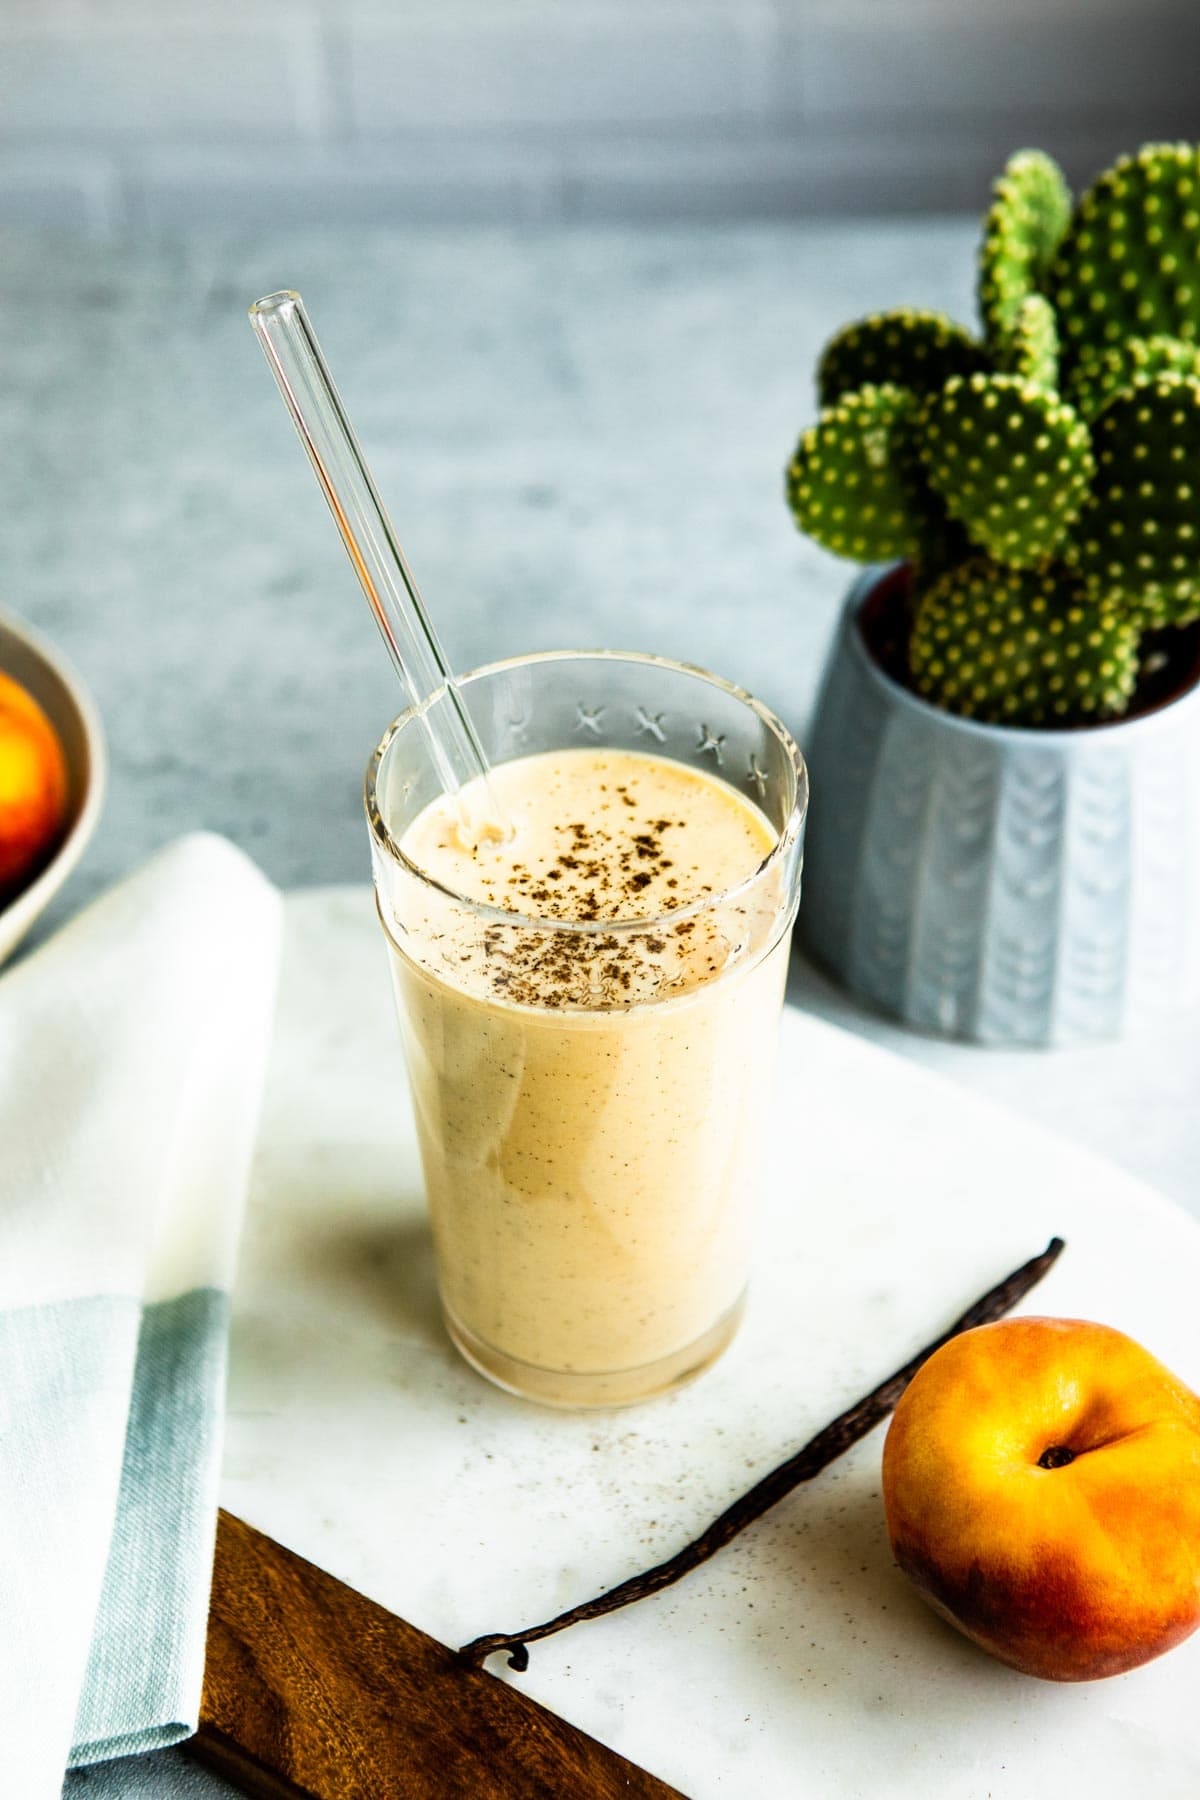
[(29, 659)]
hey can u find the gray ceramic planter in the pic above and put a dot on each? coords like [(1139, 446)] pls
[(984, 882)]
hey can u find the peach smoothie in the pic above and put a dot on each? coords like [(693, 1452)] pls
[(589, 1079)]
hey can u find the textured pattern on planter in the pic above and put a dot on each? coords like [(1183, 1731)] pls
[(1010, 886)]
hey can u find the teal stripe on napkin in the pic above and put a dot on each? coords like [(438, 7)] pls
[(65, 1370), (147, 1655)]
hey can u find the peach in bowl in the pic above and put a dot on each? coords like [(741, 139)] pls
[(52, 775)]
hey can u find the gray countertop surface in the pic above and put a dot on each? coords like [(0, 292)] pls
[(581, 436)]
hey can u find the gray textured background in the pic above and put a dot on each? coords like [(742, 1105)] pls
[(121, 116), (581, 434)]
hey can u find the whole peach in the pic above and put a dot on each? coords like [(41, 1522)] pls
[(1041, 1479), (33, 785)]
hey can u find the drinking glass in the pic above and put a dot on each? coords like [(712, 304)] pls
[(591, 1121)]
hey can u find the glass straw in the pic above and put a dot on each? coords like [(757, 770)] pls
[(283, 329)]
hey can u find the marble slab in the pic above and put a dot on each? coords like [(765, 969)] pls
[(800, 1661)]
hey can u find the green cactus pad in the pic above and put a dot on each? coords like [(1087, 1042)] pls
[(1139, 536), (1021, 647), (910, 349), (1030, 210), (854, 483), (1030, 349), (1130, 263), (1011, 460), (1101, 374)]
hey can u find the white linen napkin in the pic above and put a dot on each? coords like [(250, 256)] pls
[(132, 1054)]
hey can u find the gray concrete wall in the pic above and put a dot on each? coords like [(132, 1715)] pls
[(122, 116)]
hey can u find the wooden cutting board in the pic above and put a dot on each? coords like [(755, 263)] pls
[(312, 1692)]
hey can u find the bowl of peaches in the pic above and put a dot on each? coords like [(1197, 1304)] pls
[(52, 775)]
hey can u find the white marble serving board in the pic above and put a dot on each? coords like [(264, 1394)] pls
[(799, 1662)]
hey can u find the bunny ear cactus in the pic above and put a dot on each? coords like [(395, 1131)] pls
[(1005, 645), (1030, 347), (907, 348), (853, 481), (1011, 460), (1139, 537), (1029, 214), (1101, 374), (1044, 480), (1128, 264)]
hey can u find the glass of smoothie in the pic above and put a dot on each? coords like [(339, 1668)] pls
[(589, 1007)]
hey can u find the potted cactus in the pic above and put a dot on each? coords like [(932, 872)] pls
[(1006, 750)]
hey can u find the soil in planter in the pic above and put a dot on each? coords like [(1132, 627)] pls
[(1170, 658)]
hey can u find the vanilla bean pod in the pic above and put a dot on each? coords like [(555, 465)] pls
[(836, 1438)]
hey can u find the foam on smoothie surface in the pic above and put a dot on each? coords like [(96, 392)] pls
[(599, 834)]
